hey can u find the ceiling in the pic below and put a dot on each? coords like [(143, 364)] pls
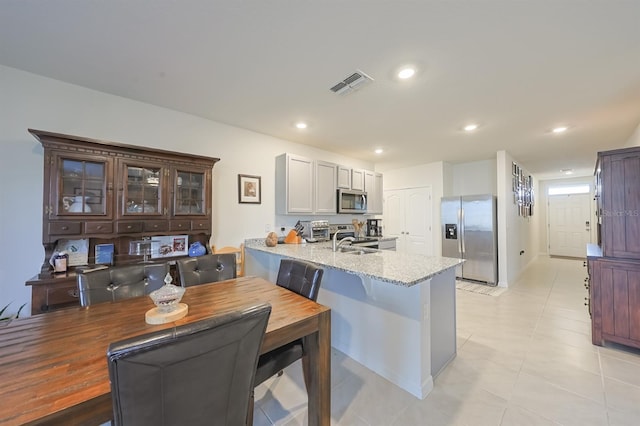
[(517, 68)]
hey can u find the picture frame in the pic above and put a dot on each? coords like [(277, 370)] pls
[(169, 246), (249, 189), (104, 254), (94, 196)]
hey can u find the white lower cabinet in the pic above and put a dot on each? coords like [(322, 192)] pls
[(387, 245), (407, 216)]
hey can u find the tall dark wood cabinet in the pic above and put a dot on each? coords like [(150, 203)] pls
[(614, 266), (114, 193)]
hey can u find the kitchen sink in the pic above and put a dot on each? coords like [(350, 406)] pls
[(356, 250)]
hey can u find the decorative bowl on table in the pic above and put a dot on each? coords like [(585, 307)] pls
[(167, 300), (167, 297)]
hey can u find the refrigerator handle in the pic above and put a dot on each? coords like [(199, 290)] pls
[(460, 231), (461, 236)]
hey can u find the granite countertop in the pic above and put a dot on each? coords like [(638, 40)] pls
[(384, 265)]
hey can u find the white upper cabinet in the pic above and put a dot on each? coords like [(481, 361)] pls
[(326, 197), (373, 188), (294, 184), (357, 179), (344, 177), (305, 186)]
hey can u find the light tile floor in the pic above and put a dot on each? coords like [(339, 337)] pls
[(524, 358)]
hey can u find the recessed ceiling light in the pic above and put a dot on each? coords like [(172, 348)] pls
[(470, 127), (560, 129), (379, 151), (301, 125), (406, 73)]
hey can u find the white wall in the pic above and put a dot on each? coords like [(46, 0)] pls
[(517, 236), (634, 140), (474, 178), (31, 101)]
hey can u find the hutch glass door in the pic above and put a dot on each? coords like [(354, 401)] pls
[(190, 193), (142, 190), (83, 188)]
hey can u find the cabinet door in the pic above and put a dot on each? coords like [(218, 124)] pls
[(80, 186), (344, 177), (191, 192), (357, 179), (621, 204), (142, 189), (617, 293), (326, 191), (294, 183), (373, 187)]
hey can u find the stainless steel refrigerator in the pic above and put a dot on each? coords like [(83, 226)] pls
[(469, 232)]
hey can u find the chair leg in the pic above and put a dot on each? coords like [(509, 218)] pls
[(250, 412)]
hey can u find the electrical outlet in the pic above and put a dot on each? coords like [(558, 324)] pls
[(267, 228)]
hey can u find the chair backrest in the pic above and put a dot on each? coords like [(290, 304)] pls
[(206, 269), (301, 277), (238, 251), (120, 282), (195, 374)]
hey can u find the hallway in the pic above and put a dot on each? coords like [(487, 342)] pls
[(524, 358)]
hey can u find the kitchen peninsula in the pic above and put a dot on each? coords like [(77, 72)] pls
[(392, 312)]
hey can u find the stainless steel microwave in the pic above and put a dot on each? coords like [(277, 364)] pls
[(352, 202)]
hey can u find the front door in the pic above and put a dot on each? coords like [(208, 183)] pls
[(569, 224)]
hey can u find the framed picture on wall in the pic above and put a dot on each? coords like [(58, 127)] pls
[(249, 189)]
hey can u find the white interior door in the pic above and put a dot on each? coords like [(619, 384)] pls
[(418, 221), (393, 223), (569, 224), (407, 216)]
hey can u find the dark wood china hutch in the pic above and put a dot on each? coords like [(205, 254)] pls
[(614, 264), (114, 193)]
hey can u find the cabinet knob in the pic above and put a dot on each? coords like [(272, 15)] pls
[(128, 226), (155, 226), (99, 227), (180, 225)]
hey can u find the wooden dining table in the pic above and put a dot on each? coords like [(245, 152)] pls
[(53, 366)]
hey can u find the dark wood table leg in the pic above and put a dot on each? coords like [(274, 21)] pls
[(317, 371)]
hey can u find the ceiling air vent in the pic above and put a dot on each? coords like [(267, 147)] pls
[(351, 83)]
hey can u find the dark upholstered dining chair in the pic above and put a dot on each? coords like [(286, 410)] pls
[(194, 374), (302, 278), (120, 282), (206, 269)]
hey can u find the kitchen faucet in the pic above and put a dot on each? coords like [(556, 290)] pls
[(335, 244)]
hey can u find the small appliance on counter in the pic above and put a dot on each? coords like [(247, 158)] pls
[(374, 227), (315, 230)]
